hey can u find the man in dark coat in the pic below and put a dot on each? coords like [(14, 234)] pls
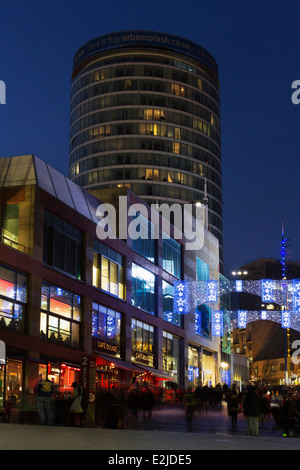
[(252, 410)]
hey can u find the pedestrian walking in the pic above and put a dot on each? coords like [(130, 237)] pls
[(76, 406), (288, 409), (190, 404), (252, 411), (147, 402), (133, 400), (44, 392), (233, 409), (7, 409)]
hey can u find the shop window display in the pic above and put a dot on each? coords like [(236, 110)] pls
[(13, 298), (60, 315), (106, 325), (11, 380), (171, 354), (168, 305), (143, 289), (108, 270), (62, 375), (63, 245), (142, 343), (172, 257)]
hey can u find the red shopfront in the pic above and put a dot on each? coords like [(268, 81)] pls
[(112, 373)]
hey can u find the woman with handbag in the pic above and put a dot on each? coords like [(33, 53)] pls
[(76, 407)]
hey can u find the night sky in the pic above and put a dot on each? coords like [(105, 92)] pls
[(256, 45)]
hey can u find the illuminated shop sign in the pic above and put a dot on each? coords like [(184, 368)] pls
[(105, 346), (142, 357)]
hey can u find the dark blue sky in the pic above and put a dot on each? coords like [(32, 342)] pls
[(257, 47)]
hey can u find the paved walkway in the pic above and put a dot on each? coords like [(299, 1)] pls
[(165, 431), (29, 437)]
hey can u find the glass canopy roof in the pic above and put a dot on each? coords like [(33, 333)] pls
[(30, 170)]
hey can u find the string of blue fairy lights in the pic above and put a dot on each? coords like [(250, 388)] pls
[(189, 294)]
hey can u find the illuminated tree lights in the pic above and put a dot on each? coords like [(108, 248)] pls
[(188, 295)]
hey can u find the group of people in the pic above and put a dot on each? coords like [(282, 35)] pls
[(45, 391), (253, 402), (141, 398)]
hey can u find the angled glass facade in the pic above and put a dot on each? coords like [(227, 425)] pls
[(71, 301), (145, 114)]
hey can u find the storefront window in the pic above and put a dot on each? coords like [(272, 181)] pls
[(172, 257), (63, 244), (142, 343), (202, 270), (203, 321), (14, 378), (171, 354), (13, 298), (108, 270), (108, 375), (10, 224), (2, 377), (194, 366), (208, 370), (168, 305), (145, 243), (62, 375), (60, 315), (143, 289), (106, 325)]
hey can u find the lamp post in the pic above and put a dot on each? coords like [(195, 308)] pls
[(204, 204), (239, 273), (287, 351)]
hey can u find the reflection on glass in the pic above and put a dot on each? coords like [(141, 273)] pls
[(63, 323), (143, 289)]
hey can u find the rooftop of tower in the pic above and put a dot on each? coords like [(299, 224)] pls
[(151, 39)]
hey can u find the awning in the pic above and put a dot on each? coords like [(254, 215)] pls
[(158, 373), (120, 363)]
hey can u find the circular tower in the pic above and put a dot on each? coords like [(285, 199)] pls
[(145, 114)]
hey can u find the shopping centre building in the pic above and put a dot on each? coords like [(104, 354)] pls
[(75, 307)]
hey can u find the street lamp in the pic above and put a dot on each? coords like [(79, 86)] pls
[(239, 273)]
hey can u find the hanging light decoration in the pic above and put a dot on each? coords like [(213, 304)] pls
[(242, 318), (212, 291), (181, 304), (285, 319), (188, 295), (239, 285), (296, 295), (217, 323), (267, 290)]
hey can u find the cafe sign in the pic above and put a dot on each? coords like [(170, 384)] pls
[(105, 347), (142, 357)]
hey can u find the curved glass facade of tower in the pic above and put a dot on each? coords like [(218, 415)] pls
[(145, 114)]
